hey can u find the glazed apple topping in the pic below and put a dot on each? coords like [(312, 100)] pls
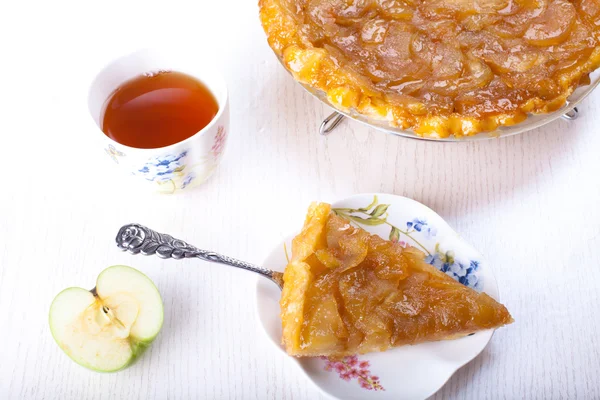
[(412, 60), (349, 292)]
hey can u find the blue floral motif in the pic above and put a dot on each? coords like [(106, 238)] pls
[(465, 274), (188, 179), (430, 232), (417, 224), (421, 225), (164, 168)]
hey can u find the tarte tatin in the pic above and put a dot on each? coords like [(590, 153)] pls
[(438, 67), (348, 292)]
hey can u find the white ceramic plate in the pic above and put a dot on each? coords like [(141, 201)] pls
[(409, 372)]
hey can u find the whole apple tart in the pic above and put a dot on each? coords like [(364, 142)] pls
[(438, 67)]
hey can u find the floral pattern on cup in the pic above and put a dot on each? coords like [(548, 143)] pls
[(174, 172), (164, 168), (167, 171), (219, 144), (188, 179), (114, 153), (351, 367)]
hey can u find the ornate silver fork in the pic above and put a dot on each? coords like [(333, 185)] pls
[(138, 239)]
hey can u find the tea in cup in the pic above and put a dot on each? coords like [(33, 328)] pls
[(163, 117)]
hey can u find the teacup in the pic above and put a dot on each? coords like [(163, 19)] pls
[(180, 166)]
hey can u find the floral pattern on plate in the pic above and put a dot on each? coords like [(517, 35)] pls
[(464, 273), (351, 367), (421, 225), (417, 231)]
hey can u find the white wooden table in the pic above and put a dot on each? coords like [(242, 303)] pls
[(531, 203)]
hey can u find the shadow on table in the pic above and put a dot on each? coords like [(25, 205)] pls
[(480, 174)]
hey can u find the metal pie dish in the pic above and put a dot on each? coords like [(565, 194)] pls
[(568, 112)]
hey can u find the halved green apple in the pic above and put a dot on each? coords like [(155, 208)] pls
[(107, 328)]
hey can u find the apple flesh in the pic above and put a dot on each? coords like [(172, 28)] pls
[(107, 328)]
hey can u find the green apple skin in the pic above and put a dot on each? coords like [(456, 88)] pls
[(137, 346)]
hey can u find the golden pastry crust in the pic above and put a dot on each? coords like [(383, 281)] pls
[(299, 274), (440, 68), (347, 292)]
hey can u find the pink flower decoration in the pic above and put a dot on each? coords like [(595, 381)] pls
[(217, 147), (396, 240), (351, 368)]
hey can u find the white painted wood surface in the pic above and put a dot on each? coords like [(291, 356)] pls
[(530, 203)]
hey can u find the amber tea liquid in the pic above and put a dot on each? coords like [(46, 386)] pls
[(158, 110)]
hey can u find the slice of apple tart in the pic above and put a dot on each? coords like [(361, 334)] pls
[(347, 292)]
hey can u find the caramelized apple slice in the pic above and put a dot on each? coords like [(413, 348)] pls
[(448, 61), (518, 59), (476, 74), (477, 22), (374, 30), (590, 10), (492, 6), (444, 60), (395, 9), (322, 306), (553, 26)]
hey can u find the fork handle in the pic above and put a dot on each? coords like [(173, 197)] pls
[(139, 239)]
